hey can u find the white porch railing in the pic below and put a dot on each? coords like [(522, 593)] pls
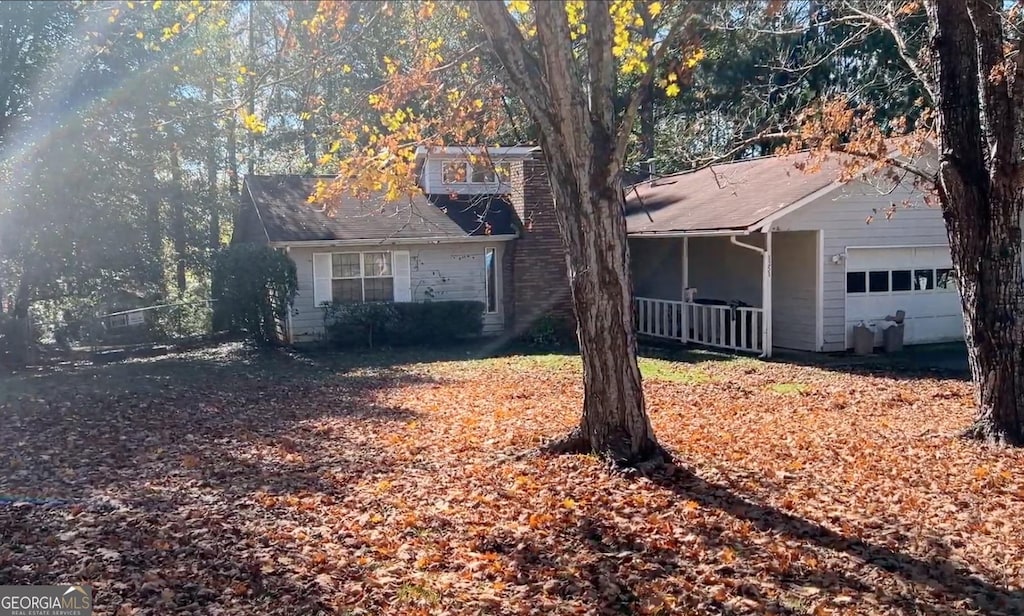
[(661, 318), (736, 329)]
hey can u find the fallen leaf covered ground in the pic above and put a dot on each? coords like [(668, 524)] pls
[(226, 481)]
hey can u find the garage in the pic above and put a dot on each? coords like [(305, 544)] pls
[(918, 280)]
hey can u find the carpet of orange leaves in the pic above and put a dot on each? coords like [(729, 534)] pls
[(223, 482)]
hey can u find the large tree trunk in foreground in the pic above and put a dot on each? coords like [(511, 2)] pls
[(982, 192), (583, 139), (614, 422)]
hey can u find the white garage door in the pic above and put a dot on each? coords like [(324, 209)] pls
[(919, 281)]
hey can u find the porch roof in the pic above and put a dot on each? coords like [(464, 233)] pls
[(734, 196)]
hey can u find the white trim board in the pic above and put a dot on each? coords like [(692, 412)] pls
[(819, 300), (395, 241), (766, 222)]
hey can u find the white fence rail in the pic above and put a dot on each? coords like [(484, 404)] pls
[(736, 329), (660, 318)]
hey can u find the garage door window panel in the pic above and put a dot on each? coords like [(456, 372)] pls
[(856, 282), (924, 280), (945, 280), (901, 280), (878, 282)]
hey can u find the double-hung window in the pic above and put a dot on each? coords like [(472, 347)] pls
[(362, 277)]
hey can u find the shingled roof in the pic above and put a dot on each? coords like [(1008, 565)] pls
[(729, 196), (285, 214)]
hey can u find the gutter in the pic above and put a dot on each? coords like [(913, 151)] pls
[(671, 234), (397, 241)]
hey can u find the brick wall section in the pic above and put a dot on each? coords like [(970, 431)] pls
[(536, 282)]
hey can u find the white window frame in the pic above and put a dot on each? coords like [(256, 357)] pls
[(465, 165), (493, 250), (913, 281), (362, 272), (472, 170)]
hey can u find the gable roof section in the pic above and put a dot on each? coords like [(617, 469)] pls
[(283, 209), (727, 197), (478, 214)]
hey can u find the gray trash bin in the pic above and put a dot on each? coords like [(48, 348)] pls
[(892, 338), (863, 339)]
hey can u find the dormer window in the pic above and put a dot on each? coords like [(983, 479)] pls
[(461, 172), (455, 172), (489, 174)]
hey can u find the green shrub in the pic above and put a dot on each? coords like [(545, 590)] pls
[(549, 332), (358, 325), (402, 324), (254, 287)]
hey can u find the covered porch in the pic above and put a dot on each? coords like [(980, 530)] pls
[(741, 291)]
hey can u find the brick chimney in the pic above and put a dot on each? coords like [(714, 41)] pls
[(535, 278)]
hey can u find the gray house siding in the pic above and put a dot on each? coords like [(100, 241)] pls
[(441, 272), (657, 267), (843, 216), (795, 290), (721, 270)]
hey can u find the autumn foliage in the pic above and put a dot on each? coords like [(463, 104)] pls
[(223, 482)]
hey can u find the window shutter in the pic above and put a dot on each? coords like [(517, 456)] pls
[(321, 278), (403, 276)]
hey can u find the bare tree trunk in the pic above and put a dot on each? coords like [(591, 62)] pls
[(232, 147), (583, 139), (154, 229), (309, 142), (23, 295), (251, 94), (614, 423), (178, 220), (982, 193), (231, 141), (647, 107), (211, 177)]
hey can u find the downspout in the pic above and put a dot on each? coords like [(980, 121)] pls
[(685, 321), (766, 289), (288, 315)]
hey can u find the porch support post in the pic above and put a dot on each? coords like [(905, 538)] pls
[(685, 334), (766, 295)]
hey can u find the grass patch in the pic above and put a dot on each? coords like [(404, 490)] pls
[(553, 362), (415, 594), (789, 389), (660, 370), (651, 369)]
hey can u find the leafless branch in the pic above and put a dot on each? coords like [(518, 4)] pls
[(522, 68)]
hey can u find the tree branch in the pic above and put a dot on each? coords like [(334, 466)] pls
[(629, 115), (600, 29), (901, 47), (522, 67), (996, 108), (562, 75)]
